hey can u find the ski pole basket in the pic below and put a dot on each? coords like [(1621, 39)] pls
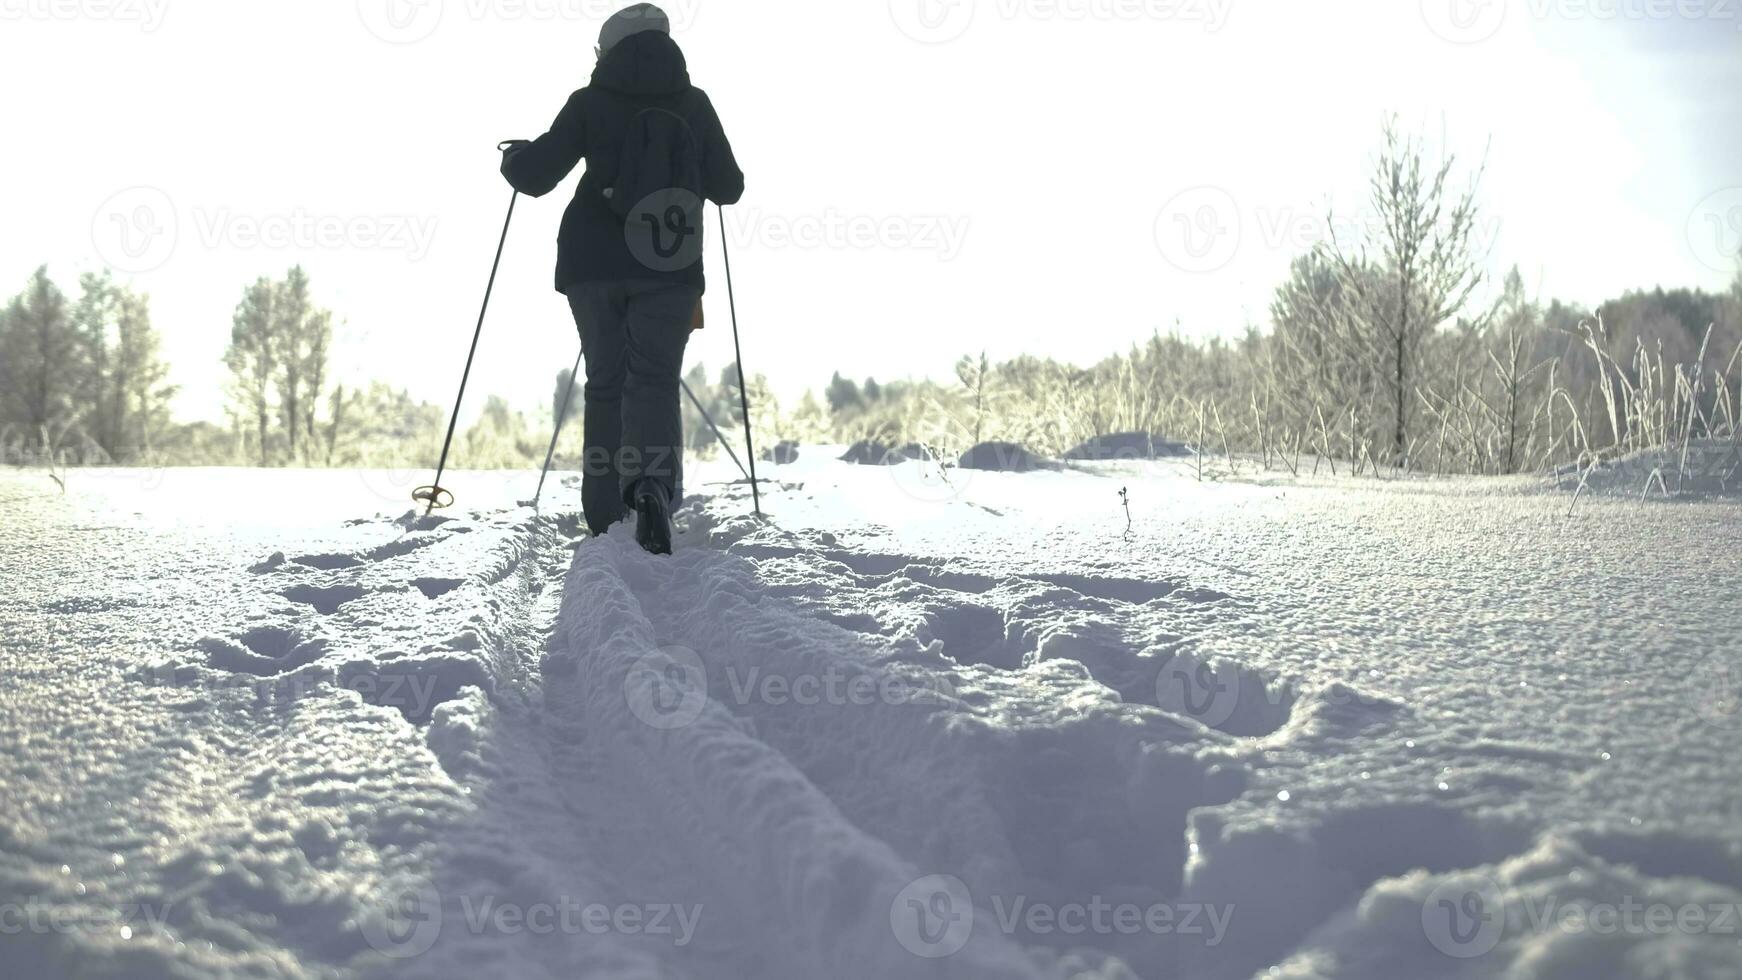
[(438, 498)]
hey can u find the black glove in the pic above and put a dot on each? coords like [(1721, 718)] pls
[(509, 148)]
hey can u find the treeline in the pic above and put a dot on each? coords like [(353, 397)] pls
[(1378, 357), (84, 372), (285, 409), (82, 382), (1540, 386)]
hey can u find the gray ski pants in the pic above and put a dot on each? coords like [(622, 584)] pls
[(634, 335)]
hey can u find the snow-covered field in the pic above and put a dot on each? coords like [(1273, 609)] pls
[(1275, 728)]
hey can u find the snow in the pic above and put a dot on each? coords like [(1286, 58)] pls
[(923, 722), (1703, 468)]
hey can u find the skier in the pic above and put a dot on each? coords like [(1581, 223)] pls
[(629, 256)]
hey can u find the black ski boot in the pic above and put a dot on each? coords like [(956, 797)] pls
[(653, 517)]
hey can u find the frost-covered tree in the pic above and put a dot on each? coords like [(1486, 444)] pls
[(43, 366), (1512, 356), (280, 342), (139, 392), (500, 438), (253, 361), (1422, 243), (125, 393), (843, 395), (302, 334), (1326, 362), (94, 320), (382, 426)]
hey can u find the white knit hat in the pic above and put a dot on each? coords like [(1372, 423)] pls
[(632, 20)]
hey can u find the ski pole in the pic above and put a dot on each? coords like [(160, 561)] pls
[(551, 454), (724, 444), (562, 416), (435, 492), (743, 382)]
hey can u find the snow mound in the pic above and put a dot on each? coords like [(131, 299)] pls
[(1709, 468), (1002, 457), (783, 454), (877, 454), (866, 453), (910, 453), (1553, 912), (1127, 446)]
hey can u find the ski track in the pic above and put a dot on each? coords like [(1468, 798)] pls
[(587, 727)]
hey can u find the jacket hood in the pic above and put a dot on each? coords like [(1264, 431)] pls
[(648, 63)]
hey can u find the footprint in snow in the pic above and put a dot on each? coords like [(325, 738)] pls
[(263, 651), (326, 600)]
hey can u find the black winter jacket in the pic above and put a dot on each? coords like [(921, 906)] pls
[(643, 70)]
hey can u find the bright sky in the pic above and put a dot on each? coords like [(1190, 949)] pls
[(927, 178)]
